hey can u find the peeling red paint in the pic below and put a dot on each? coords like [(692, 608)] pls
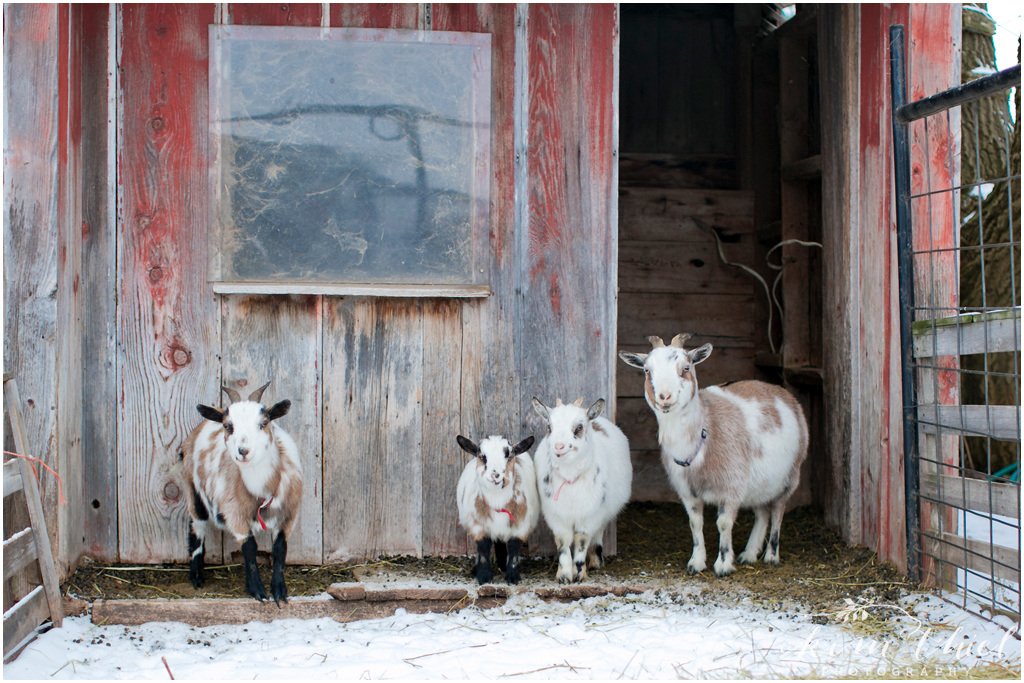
[(556, 296)]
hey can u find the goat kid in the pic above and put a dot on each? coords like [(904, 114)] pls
[(497, 498), (584, 474), (241, 471), (738, 445)]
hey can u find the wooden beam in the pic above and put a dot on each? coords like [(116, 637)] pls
[(998, 422), (207, 612), (978, 556), (47, 568), (23, 618), (19, 552), (990, 332), (808, 168), (446, 291), (980, 495)]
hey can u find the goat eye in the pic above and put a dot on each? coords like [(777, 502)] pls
[(577, 430), (229, 428), (263, 424)]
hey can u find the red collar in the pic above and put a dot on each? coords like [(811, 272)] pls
[(263, 504), (510, 517)]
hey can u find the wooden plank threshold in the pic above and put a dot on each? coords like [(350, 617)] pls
[(351, 602), (400, 291)]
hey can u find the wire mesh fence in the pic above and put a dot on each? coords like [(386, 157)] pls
[(958, 218)]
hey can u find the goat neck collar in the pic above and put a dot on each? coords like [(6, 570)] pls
[(263, 503), (564, 482), (700, 444), (511, 518)]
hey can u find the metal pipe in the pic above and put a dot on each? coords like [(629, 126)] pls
[(904, 248), (961, 94)]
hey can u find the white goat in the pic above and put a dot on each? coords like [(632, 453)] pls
[(738, 445), (584, 474), (241, 471), (497, 496)]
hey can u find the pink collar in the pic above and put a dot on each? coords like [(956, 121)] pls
[(564, 482)]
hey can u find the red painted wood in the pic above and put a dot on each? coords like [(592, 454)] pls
[(376, 15), (275, 14), (169, 338)]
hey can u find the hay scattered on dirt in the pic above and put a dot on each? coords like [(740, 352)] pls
[(818, 569)]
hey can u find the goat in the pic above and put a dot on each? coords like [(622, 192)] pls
[(497, 497), (241, 471), (738, 445), (584, 474)]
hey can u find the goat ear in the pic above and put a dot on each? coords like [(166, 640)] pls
[(211, 414), (699, 355), (635, 360), (595, 409), (279, 409), (258, 394), (540, 408), (467, 445), (523, 445)]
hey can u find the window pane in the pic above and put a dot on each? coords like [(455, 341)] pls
[(349, 155)]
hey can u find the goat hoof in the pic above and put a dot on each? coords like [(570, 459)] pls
[(512, 576), (696, 567), (280, 593), (746, 559), (484, 575), (197, 581)]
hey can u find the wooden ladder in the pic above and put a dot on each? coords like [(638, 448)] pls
[(30, 546)]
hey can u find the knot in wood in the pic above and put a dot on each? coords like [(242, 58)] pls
[(171, 492), (156, 273), (180, 357)]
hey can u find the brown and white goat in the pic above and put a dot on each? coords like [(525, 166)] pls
[(497, 498), (738, 445), (241, 471)]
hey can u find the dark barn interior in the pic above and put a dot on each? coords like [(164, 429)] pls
[(720, 142)]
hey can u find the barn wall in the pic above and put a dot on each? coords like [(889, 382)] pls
[(42, 247), (862, 403), (380, 387)]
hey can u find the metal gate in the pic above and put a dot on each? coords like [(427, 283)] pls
[(959, 254)]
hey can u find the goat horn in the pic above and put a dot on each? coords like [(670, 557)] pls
[(232, 394), (656, 342), (558, 402), (578, 402), (258, 394), (677, 341)]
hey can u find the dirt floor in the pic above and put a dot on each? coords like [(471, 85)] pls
[(818, 570)]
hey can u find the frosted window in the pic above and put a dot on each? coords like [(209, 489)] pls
[(349, 155)]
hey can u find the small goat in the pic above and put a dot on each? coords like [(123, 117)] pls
[(497, 495), (242, 472), (584, 475), (739, 445)]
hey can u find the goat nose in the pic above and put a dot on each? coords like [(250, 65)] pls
[(665, 397), (243, 451)]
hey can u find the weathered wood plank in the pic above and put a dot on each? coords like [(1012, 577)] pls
[(23, 618), (443, 460), (685, 268), (12, 477), (377, 15), (275, 14), (992, 332), (209, 612), (979, 556), (650, 483), (569, 221), (998, 422), (447, 291), (671, 214), (373, 384), (980, 495), (725, 320), (167, 314), (19, 552), (33, 500), (31, 222), (99, 283), (808, 168), (278, 339), (67, 462), (673, 170), (486, 380)]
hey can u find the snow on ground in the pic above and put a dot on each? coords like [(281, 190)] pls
[(1002, 531), (656, 635)]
